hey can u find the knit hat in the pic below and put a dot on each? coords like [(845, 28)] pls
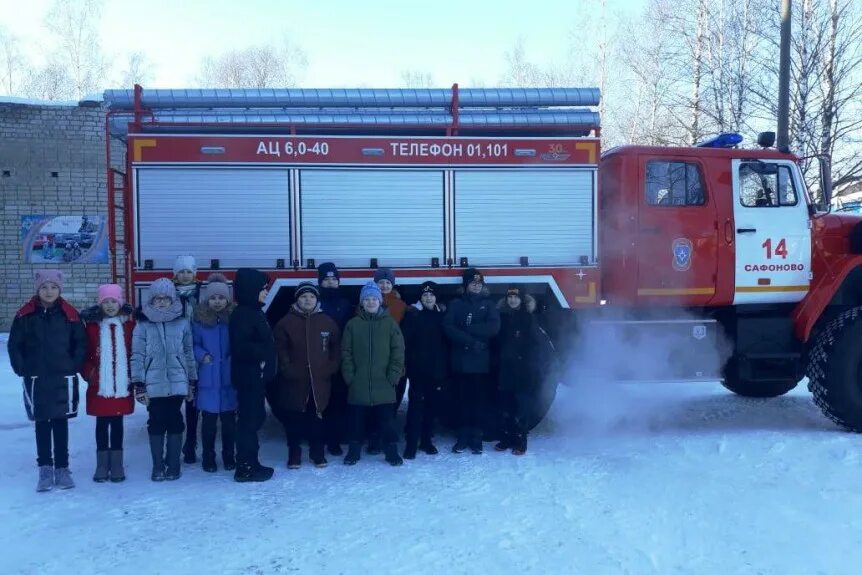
[(327, 270), (185, 263), (109, 291), (384, 274), (161, 287), (48, 276), (472, 275), (216, 285), (428, 287), (370, 289), (306, 287)]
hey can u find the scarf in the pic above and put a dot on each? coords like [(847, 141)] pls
[(156, 315), (113, 359)]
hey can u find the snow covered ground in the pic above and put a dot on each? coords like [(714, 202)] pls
[(663, 479)]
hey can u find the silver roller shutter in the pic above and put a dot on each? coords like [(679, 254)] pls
[(546, 215), (239, 216), (351, 216)]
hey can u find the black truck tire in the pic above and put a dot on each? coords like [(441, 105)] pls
[(757, 389), (834, 369)]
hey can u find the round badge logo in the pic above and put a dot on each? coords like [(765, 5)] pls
[(682, 249)]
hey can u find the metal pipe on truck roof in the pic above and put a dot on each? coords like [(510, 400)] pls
[(783, 138), (363, 97)]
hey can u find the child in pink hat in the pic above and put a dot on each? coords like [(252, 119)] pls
[(107, 371)]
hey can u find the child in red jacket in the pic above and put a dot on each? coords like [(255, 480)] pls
[(107, 372)]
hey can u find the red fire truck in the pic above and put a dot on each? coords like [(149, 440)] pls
[(687, 254)]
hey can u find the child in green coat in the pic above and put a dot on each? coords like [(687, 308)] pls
[(372, 360)]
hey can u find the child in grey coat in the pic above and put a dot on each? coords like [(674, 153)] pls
[(164, 373)]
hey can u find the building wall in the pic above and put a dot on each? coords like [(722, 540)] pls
[(52, 162)]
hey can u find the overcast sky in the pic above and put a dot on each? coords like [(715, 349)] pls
[(348, 42)]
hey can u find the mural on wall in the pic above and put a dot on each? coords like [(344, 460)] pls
[(79, 239)]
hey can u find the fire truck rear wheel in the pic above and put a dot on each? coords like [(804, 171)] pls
[(835, 370), (739, 386)]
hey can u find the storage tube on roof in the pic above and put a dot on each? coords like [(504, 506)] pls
[(360, 97)]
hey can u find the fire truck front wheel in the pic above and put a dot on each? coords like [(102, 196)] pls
[(835, 370), (745, 388)]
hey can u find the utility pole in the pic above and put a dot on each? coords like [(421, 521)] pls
[(783, 137)]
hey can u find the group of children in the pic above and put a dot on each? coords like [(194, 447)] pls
[(328, 369)]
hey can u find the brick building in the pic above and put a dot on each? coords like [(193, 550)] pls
[(52, 162)]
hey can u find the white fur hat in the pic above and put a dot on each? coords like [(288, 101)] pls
[(185, 263)]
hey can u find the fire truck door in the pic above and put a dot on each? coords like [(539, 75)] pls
[(677, 233), (773, 239)]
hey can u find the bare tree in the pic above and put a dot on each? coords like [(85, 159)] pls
[(138, 70), (519, 71), (75, 27), (261, 66), (49, 82), (12, 62), (416, 79), (841, 91)]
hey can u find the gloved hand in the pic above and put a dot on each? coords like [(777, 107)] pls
[(141, 394), (190, 396)]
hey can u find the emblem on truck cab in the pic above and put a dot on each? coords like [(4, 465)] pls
[(682, 249)]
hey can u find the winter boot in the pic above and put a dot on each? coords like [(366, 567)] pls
[(208, 457), (335, 449), (392, 457), (46, 478), (228, 444), (375, 444), (229, 460), (520, 446), (63, 478), (252, 472), (262, 471), (462, 444), (118, 474), (102, 466), (317, 456), (354, 451), (157, 451), (476, 442), (410, 449), (172, 458), (504, 444), (427, 446), (294, 457), (208, 461)]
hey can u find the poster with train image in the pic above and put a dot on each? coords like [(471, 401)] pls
[(81, 239)]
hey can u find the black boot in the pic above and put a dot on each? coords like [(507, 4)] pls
[(294, 457), (229, 460), (157, 451), (504, 444), (427, 446), (252, 472), (476, 442), (208, 460), (172, 457), (315, 452), (410, 449), (462, 444), (208, 456), (335, 449), (354, 451), (520, 446), (392, 457)]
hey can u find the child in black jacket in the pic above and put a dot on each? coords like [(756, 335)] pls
[(519, 346), (427, 368), (253, 365)]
